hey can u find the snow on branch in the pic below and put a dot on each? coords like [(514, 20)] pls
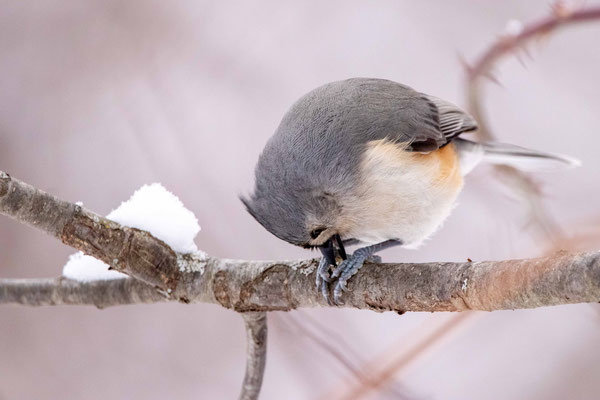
[(249, 286)]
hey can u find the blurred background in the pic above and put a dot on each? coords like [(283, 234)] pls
[(100, 97)]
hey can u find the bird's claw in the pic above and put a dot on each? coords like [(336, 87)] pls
[(340, 275), (323, 278), (322, 272), (325, 293)]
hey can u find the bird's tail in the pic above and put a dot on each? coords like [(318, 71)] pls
[(471, 153)]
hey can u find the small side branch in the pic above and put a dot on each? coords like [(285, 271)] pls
[(256, 354), (63, 291)]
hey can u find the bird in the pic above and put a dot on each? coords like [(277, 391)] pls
[(371, 162)]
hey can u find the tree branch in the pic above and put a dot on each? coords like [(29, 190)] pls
[(159, 274), (256, 354), (247, 286), (63, 291), (132, 251), (251, 286)]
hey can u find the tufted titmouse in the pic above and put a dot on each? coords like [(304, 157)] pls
[(369, 161)]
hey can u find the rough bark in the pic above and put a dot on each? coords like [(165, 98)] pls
[(247, 286), (63, 291), (256, 286), (132, 251)]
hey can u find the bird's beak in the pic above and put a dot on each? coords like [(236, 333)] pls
[(328, 251), (341, 248)]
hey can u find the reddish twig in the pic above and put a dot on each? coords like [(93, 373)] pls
[(507, 43), (381, 377), (522, 183)]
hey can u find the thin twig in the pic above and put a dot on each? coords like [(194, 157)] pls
[(381, 377), (256, 354), (506, 44), (322, 342), (525, 187)]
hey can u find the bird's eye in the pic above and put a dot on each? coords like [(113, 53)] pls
[(316, 232)]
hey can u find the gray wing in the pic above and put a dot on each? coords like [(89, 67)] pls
[(328, 127), (400, 113), (452, 120), (363, 109)]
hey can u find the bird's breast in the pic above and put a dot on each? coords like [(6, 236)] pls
[(402, 195)]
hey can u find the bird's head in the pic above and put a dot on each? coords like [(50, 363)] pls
[(306, 218)]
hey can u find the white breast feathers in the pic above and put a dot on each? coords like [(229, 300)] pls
[(401, 195)]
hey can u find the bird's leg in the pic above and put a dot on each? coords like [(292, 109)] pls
[(323, 279), (350, 266), (322, 275), (329, 251)]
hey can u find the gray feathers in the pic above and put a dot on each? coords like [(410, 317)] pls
[(313, 157), (323, 160), (452, 120)]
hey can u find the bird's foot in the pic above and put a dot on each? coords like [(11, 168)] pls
[(343, 272), (349, 268), (346, 270)]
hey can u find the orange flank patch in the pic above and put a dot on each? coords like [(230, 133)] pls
[(441, 166), (448, 168)]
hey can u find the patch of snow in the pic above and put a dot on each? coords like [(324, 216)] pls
[(84, 268), (154, 209), (158, 211)]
